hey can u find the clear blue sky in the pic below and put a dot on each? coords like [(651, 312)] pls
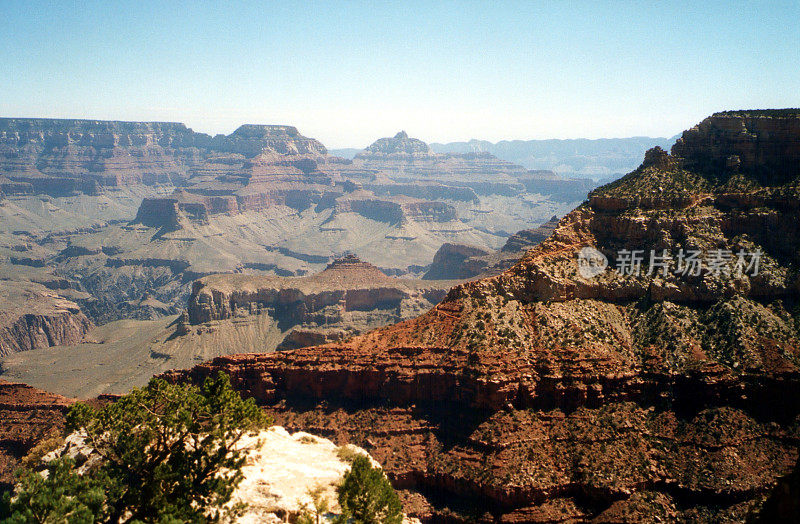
[(350, 72)]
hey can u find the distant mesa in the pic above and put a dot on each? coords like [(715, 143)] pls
[(57, 157)]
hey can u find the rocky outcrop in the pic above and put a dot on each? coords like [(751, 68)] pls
[(763, 144), (29, 415), (35, 317), (169, 213), (305, 337), (400, 144), (450, 262), (552, 393), (346, 285), (251, 140)]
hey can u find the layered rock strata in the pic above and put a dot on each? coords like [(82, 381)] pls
[(34, 316), (549, 393), (61, 156), (29, 415), (349, 296)]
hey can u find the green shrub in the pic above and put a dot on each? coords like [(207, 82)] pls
[(62, 496), (320, 505), (347, 454)]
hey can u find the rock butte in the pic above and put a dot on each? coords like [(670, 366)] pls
[(348, 297), (538, 395)]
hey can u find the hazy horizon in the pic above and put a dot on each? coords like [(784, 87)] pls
[(429, 142), (443, 72)]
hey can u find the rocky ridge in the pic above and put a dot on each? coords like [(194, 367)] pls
[(540, 394)]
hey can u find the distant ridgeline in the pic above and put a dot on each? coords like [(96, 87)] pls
[(59, 156), (603, 158)]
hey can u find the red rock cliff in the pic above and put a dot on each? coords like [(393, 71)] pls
[(545, 395)]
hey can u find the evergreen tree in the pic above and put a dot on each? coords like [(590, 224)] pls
[(61, 496), (168, 455), (367, 497)]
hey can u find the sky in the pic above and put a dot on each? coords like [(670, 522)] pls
[(348, 73)]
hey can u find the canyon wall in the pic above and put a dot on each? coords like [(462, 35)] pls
[(547, 393), (35, 317), (62, 156), (29, 415)]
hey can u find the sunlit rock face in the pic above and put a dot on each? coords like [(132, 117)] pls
[(282, 468)]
